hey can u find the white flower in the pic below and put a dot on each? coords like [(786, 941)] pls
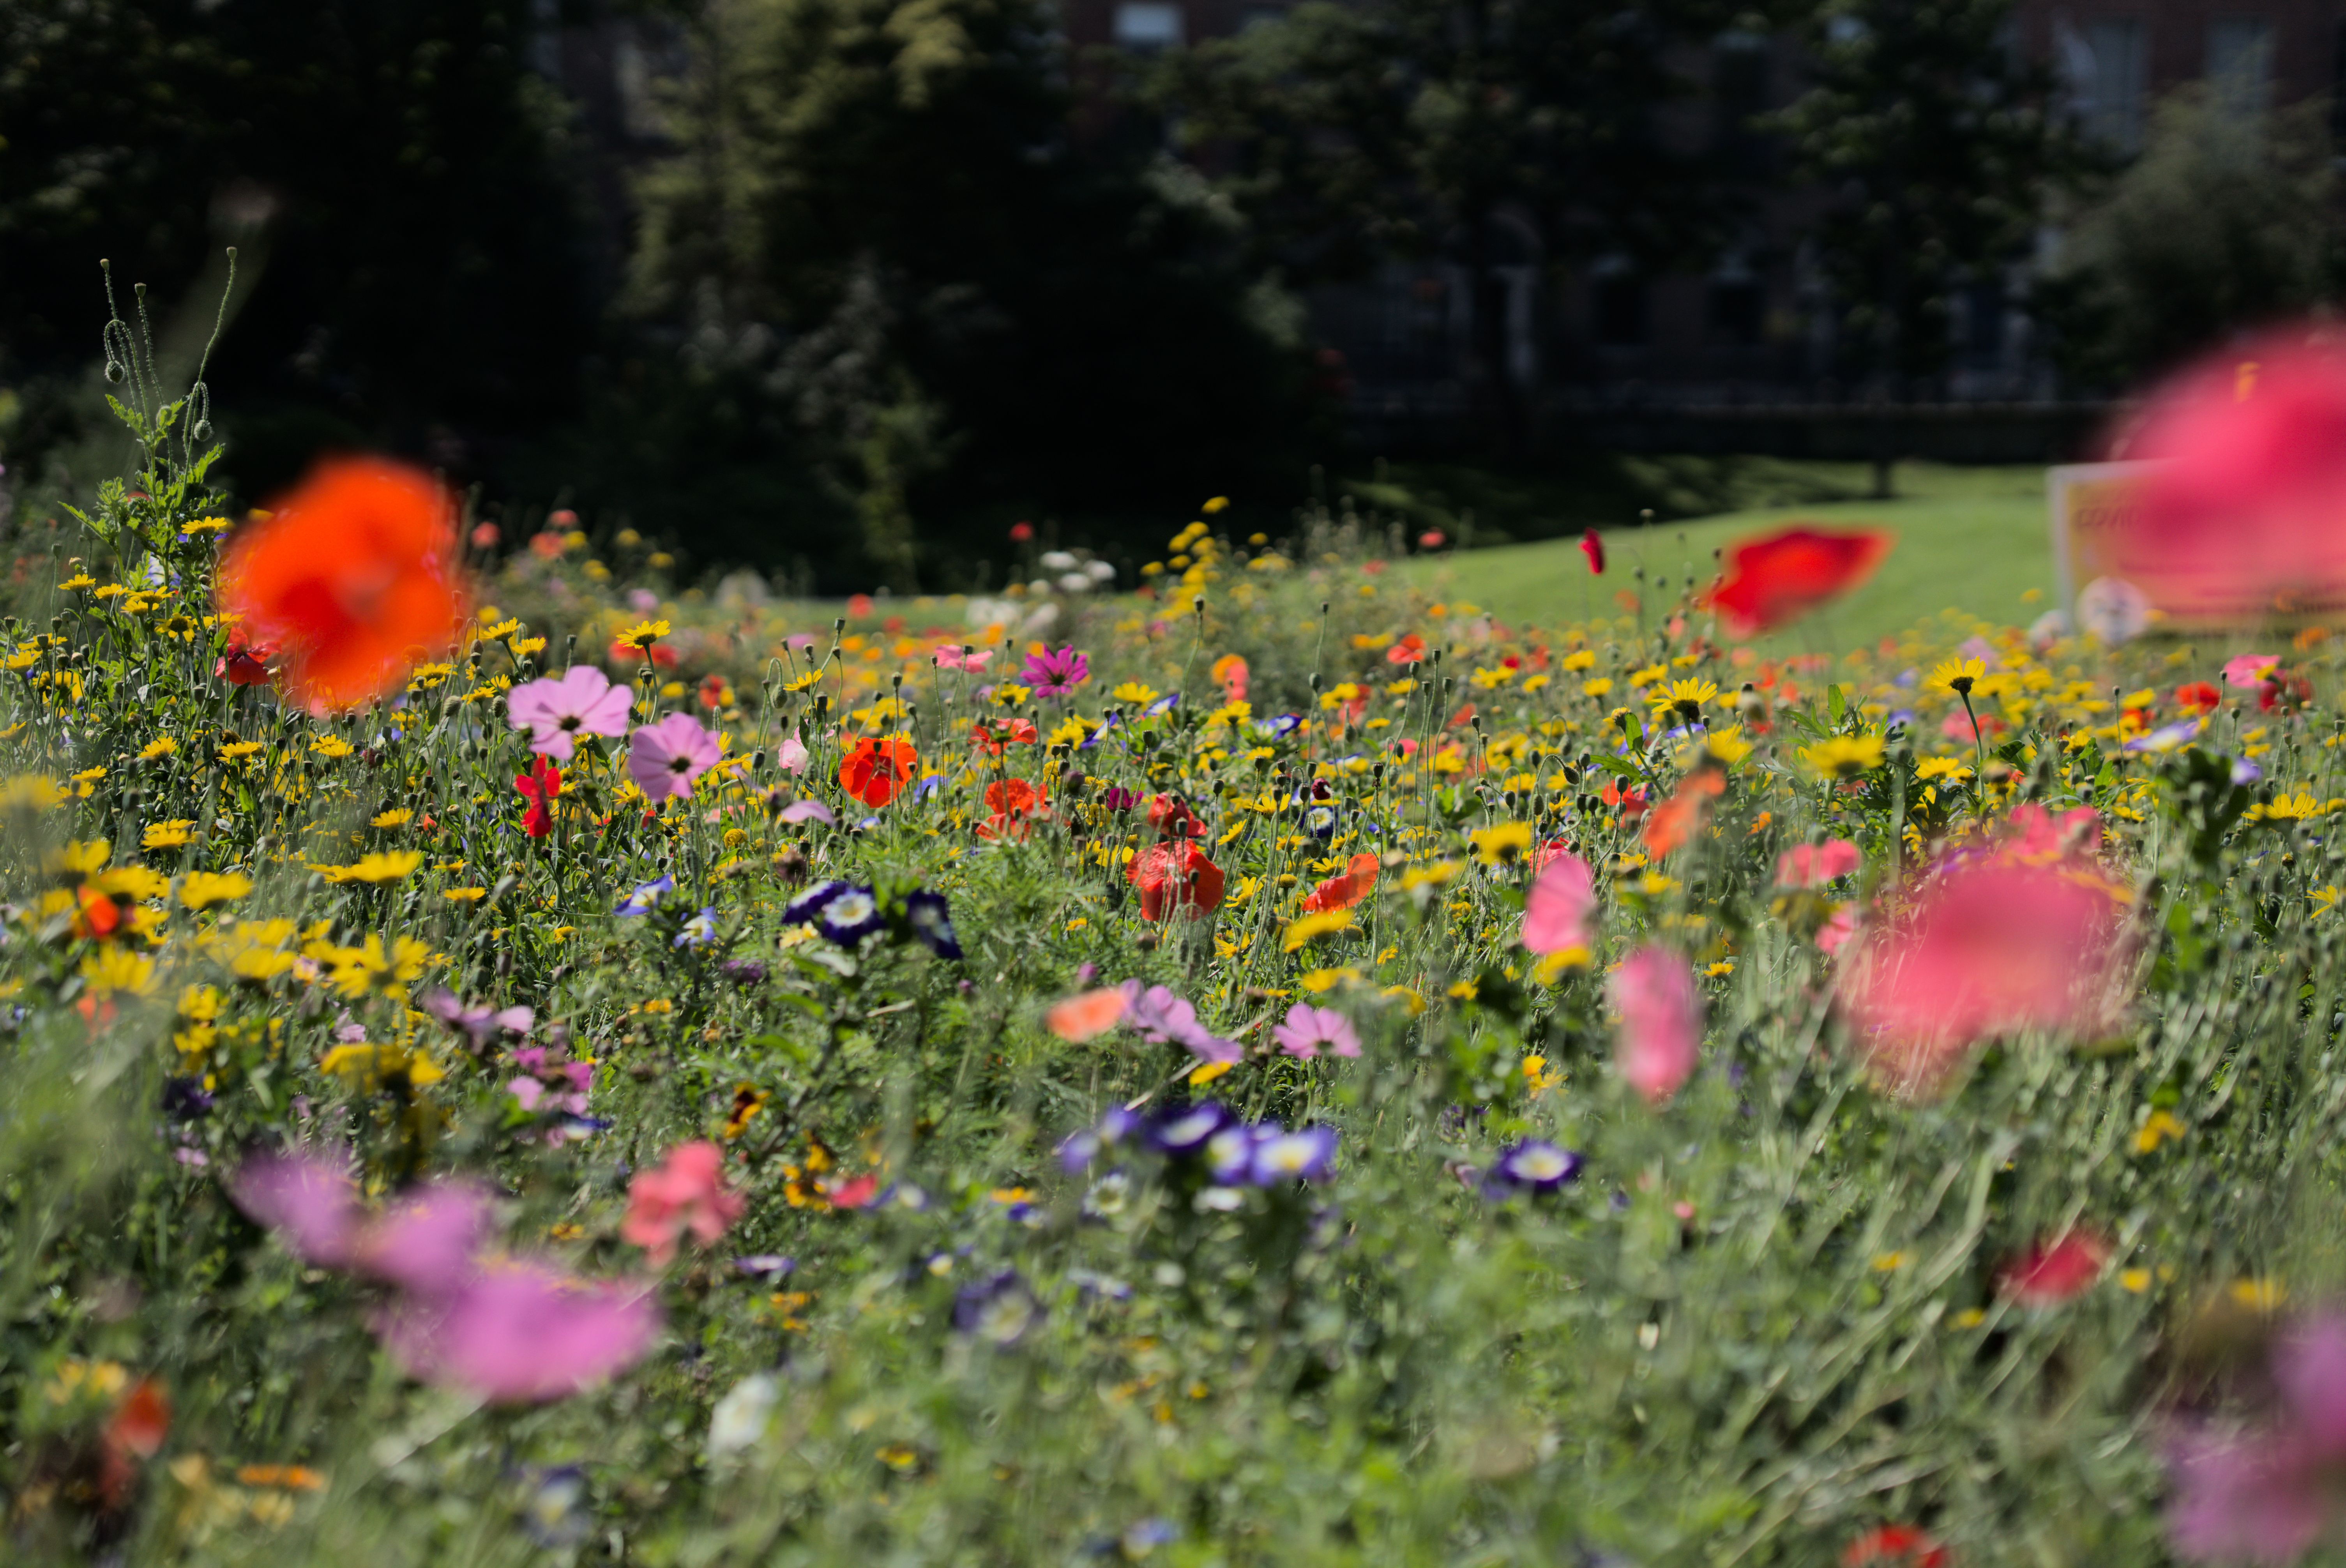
[(1057, 561), (740, 1418)]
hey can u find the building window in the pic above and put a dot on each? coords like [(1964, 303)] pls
[(2119, 83), (1617, 308), (2239, 64), (1147, 27)]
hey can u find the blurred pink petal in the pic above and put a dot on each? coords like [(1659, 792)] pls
[(2037, 836), (1987, 949), (427, 1239), (2243, 1498), (1557, 910), (2249, 669), (313, 1206), (2310, 1366), (1813, 865), (1661, 1022), (809, 811), (790, 756), (524, 1332), (686, 1192)]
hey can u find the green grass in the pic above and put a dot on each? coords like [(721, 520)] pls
[(1971, 539)]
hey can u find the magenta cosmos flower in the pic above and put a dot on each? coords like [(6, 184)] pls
[(1056, 674), (581, 701), (1661, 1022), (522, 1332), (1308, 1028), (664, 758)]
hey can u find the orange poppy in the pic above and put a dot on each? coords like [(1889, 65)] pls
[(1175, 876), (1342, 892), (1670, 824), (1078, 1018), (991, 739), (354, 576), (1015, 804), (878, 770)]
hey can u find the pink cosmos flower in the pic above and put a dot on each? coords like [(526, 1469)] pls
[(1838, 927), (581, 701), (1056, 673), (1307, 1028), (1661, 1023), (427, 1240), (1557, 910), (790, 756), (2249, 669), (313, 1206), (1989, 948), (523, 1332), (954, 656), (664, 758), (1160, 1017), (1814, 865), (2265, 1493), (686, 1193)]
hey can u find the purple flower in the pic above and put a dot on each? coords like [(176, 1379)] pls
[(644, 896), (2243, 1497), (1119, 799), (1161, 1017), (810, 811), (850, 916), (742, 970), (1190, 1128), (1533, 1165), (480, 1024), (523, 1333), (1056, 674), (1308, 1028), (1307, 1154), (664, 758), (931, 921), (1000, 1310), (1080, 1149), (809, 903), (1230, 1152), (581, 701)]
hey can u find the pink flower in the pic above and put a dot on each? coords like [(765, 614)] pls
[(1814, 865), (2244, 1497), (790, 756), (1834, 934), (1307, 1028), (664, 758), (1557, 910), (427, 1240), (2038, 837), (1056, 673), (523, 1332), (313, 1207), (581, 701), (686, 1193), (1989, 948), (1161, 1017), (2249, 669), (954, 656), (1661, 1023)]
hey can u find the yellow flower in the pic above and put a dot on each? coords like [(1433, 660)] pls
[(1579, 659), (78, 859), (357, 970), (522, 648), (1071, 734), (2288, 808), (237, 750), (161, 746), (1728, 745), (1959, 674), (1600, 687), (30, 793), (1010, 694), (1407, 997), (1132, 691), (201, 889), (199, 1003), (383, 866), (2159, 1128), (365, 1065), (1551, 966), (1647, 676), (1206, 1072), (464, 895), (1495, 676), (1947, 768), (643, 634), (330, 746), (397, 817), (1686, 696), (206, 526), (171, 835), (78, 580), (112, 969), (1432, 874), (2325, 899), (1502, 845), (1843, 756), (1310, 926), (131, 882)]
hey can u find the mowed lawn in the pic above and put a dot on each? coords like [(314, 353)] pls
[(1971, 539)]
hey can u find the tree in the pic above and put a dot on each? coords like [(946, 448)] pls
[(2226, 222), (968, 303), (1349, 132), (1932, 142)]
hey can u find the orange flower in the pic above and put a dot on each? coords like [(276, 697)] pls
[(876, 770), (1676, 819), (1015, 804), (1342, 892), (354, 576), (991, 739)]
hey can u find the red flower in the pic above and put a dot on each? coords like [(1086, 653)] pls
[(1676, 819), (1592, 544), (686, 1192), (991, 739), (539, 786), (353, 576), (1411, 650), (1015, 804), (1781, 578), (628, 655), (2050, 1273), (2199, 696), (716, 691), (878, 770), (135, 1433), (244, 665), (1021, 532), (546, 546), (1895, 1547), (1342, 892), (1175, 877), (1171, 817), (1631, 800), (857, 1192)]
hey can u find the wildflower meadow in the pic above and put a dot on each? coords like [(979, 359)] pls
[(509, 1058)]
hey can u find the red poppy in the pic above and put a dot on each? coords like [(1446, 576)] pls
[(992, 737), (1411, 650), (243, 663), (1175, 877), (877, 769), (716, 691), (1895, 1547), (1781, 578), (1676, 819), (1592, 544), (1171, 817), (539, 786), (1342, 892), (1021, 532), (97, 915), (353, 576), (546, 546), (628, 655), (135, 1433), (1958, 726), (1015, 804), (1631, 800), (857, 1192), (2052, 1272), (2199, 696)]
